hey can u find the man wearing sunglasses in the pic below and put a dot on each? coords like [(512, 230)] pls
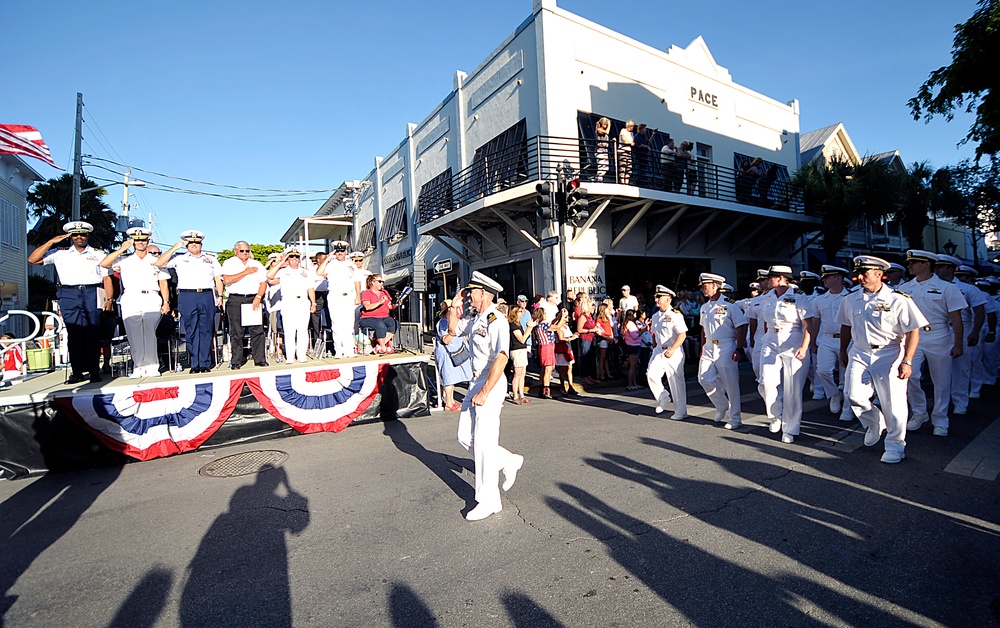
[(80, 275), (246, 282)]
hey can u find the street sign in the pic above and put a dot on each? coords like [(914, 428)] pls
[(547, 242), (442, 266)]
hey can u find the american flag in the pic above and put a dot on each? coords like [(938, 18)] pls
[(21, 139)]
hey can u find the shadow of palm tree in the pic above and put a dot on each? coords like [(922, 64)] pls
[(239, 575), (144, 605), (408, 610), (524, 612), (38, 515)]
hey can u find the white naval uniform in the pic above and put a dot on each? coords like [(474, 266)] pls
[(295, 304), (936, 299), (879, 323), (361, 276), (991, 351), (479, 426), (827, 334), (718, 374), (961, 374), (140, 302), (342, 296), (753, 311), (665, 328), (979, 372), (782, 375)]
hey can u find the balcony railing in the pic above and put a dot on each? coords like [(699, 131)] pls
[(541, 157)]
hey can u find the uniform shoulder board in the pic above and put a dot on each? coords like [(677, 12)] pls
[(901, 293), (492, 316), (851, 290), (677, 311)]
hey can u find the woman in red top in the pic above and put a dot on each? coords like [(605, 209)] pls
[(606, 337), (586, 326), (375, 307)]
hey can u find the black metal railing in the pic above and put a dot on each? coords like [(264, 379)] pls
[(594, 161)]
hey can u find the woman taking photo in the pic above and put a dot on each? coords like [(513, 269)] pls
[(453, 358), (519, 336), (375, 307)]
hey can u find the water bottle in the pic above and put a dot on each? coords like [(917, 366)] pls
[(178, 368)]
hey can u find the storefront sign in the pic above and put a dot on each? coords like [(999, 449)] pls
[(705, 98), (586, 275), (397, 259)]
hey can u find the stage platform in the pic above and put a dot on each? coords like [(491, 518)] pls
[(48, 425)]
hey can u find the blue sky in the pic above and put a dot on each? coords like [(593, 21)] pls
[(277, 95)]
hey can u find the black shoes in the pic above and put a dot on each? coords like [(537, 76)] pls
[(261, 364), (76, 378)]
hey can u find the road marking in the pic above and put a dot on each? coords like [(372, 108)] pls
[(980, 458)]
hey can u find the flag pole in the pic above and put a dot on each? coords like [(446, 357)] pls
[(77, 166)]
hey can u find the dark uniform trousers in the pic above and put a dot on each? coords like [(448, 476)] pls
[(82, 317), (198, 317), (236, 330), (316, 319)]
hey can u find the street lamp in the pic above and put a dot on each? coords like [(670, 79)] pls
[(99, 187), (950, 247)]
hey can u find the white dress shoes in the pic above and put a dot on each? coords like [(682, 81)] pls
[(510, 473), (482, 511)]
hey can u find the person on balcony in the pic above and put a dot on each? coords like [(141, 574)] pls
[(642, 158), (626, 141), (668, 167), (603, 142), (687, 165)]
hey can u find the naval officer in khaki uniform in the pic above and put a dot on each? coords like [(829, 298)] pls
[(479, 422)]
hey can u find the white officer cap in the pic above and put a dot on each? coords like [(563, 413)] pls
[(966, 270), (808, 274), (356, 255), (340, 246), (192, 236), (662, 290), (711, 278), (828, 270), (867, 262), (916, 255), (272, 256), (780, 270), (754, 285), (480, 280), (761, 273), (293, 252), (138, 233), (727, 287), (943, 259), (78, 226), (895, 266)]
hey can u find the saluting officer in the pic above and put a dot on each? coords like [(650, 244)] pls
[(246, 283), (784, 359), (826, 337), (941, 340), (723, 338), (669, 332), (479, 422), (199, 293), (973, 318), (145, 299), (80, 275), (884, 326), (344, 297)]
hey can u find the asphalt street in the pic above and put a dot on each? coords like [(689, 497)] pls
[(620, 517)]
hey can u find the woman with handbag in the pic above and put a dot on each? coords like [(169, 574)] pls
[(453, 359)]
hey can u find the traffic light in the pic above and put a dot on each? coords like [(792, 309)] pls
[(576, 203), (543, 200)]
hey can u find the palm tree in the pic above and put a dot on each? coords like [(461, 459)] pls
[(917, 203), (840, 192), (52, 203)]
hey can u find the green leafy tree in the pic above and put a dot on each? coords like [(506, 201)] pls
[(259, 251), (966, 83), (840, 192), (52, 203), (916, 203), (970, 196)]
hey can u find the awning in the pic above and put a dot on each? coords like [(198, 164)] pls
[(309, 228)]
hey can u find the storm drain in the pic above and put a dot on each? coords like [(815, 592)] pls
[(246, 463)]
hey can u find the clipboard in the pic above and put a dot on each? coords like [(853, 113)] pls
[(250, 317)]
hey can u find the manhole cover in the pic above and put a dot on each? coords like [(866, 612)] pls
[(246, 463)]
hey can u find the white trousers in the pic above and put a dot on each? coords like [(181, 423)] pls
[(827, 361), (295, 321), (141, 315), (720, 377), (673, 368), (961, 375), (758, 344), (878, 370), (991, 362), (342, 310), (782, 379), (934, 350), (978, 370), (479, 434)]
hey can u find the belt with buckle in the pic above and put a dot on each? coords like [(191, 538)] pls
[(877, 347), (926, 328), (194, 290), (240, 294), (715, 342), (83, 286), (836, 335)]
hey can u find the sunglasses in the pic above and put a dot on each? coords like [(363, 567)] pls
[(378, 281), (153, 252), (242, 250)]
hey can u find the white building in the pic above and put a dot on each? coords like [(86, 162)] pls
[(16, 176), (461, 185)]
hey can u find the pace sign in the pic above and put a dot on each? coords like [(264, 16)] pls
[(705, 97), (442, 266)]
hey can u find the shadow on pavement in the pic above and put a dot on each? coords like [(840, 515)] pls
[(142, 608), (524, 612), (239, 576), (446, 468), (38, 515), (408, 610)]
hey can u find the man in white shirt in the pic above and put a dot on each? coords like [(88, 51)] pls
[(627, 302), (550, 305), (826, 340), (246, 283)]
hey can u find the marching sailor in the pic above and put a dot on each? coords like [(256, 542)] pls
[(479, 421), (882, 327), (669, 332), (941, 340), (145, 298), (723, 338), (199, 295), (80, 275), (826, 339), (973, 318)]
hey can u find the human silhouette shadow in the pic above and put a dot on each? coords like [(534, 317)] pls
[(408, 610), (144, 605), (707, 589), (524, 612), (38, 515), (239, 576), (447, 468)]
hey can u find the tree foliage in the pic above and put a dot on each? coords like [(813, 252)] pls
[(916, 203), (840, 192), (259, 252), (52, 203), (969, 194), (966, 83)]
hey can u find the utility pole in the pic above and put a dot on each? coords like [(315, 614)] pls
[(77, 165), (152, 231), (125, 205)]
